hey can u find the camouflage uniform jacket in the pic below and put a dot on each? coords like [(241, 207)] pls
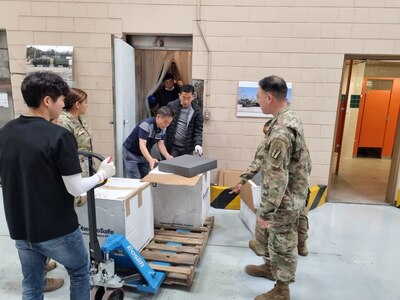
[(286, 166), (81, 132), (255, 165)]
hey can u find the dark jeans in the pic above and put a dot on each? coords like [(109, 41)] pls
[(69, 250), (136, 166)]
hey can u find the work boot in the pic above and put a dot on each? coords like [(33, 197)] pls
[(260, 271), (53, 284), (302, 248), (279, 292), (256, 247), (50, 265)]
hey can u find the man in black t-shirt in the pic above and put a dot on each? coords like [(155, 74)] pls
[(166, 93), (40, 174)]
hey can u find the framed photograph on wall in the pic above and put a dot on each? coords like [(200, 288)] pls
[(247, 104), (57, 59)]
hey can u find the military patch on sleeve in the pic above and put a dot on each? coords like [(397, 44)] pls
[(276, 152)]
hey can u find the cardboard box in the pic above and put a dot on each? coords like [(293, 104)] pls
[(230, 178), (123, 206), (187, 165), (248, 209), (178, 199), (248, 217)]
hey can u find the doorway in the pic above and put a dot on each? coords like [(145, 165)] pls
[(140, 64), (155, 56), (365, 148)]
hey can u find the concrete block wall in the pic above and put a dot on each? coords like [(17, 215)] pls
[(305, 43), (302, 41)]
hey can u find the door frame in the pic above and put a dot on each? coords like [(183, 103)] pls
[(390, 196)]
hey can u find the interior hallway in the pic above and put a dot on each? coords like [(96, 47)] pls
[(353, 256), (360, 180)]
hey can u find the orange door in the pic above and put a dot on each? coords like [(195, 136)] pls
[(392, 120), (376, 105)]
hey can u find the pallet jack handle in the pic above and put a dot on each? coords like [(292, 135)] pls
[(94, 245)]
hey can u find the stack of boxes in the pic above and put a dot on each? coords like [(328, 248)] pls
[(131, 206)]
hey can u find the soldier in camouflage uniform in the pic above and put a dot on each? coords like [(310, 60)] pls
[(285, 170), (76, 104), (260, 244)]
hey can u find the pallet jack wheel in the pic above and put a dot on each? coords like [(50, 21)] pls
[(114, 294), (97, 293)]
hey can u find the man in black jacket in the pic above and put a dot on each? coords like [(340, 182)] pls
[(166, 93), (185, 134)]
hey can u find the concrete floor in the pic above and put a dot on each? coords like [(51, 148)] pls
[(353, 255), (360, 180)]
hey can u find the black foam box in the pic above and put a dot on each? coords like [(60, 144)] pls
[(187, 165)]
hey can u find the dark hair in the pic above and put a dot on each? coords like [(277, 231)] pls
[(187, 88), (165, 111), (274, 85), (74, 95), (38, 85), (168, 76)]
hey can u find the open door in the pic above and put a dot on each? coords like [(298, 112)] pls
[(124, 97)]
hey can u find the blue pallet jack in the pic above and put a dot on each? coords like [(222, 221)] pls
[(116, 254)]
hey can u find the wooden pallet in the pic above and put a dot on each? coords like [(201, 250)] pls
[(183, 258)]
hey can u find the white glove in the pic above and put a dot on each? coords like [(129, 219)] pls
[(106, 169), (198, 150)]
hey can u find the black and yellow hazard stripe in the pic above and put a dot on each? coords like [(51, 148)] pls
[(317, 196), (221, 197)]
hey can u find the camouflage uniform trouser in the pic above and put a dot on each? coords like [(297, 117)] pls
[(282, 244), (261, 235)]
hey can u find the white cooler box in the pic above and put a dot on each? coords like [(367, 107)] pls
[(180, 200), (123, 206), (249, 203)]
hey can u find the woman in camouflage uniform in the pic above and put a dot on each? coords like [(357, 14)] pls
[(76, 103)]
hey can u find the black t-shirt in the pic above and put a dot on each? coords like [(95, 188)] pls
[(163, 96), (34, 154)]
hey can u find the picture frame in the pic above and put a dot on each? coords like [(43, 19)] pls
[(247, 104)]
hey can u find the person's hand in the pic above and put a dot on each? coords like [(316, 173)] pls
[(198, 150), (262, 223), (106, 169), (153, 163), (169, 157), (80, 201), (236, 189)]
